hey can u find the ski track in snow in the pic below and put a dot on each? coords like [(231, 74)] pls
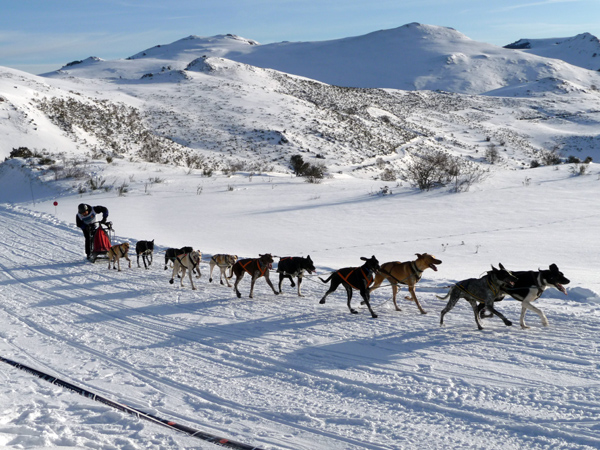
[(279, 371)]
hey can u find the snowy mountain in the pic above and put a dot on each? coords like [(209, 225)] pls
[(582, 50), (411, 57)]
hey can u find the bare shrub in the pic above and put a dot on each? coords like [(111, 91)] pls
[(549, 157), (123, 189), (433, 168), (427, 169), (388, 174), (578, 169), (492, 155)]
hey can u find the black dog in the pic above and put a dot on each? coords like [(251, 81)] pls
[(294, 266), (145, 249), (354, 277), (530, 285), (485, 290)]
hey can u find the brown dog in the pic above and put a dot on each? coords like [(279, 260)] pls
[(117, 252), (256, 268), (409, 273)]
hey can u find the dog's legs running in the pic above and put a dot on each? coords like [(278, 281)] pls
[(476, 311), (335, 282), (395, 290), (299, 283), (224, 275), (349, 292), (451, 304), (212, 266), (527, 305), (489, 305), (138, 261), (175, 271), (190, 272), (364, 292), (235, 284), (270, 283), (254, 278), (414, 298)]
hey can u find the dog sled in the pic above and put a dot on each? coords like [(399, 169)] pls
[(101, 242)]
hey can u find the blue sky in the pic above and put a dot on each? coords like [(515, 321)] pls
[(42, 35)]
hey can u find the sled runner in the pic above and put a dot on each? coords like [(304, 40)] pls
[(101, 241)]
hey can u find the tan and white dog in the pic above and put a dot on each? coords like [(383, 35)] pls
[(117, 252), (223, 262), (408, 273), (186, 262)]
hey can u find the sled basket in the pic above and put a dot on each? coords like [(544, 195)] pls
[(101, 242)]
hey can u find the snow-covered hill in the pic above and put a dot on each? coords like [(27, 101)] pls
[(582, 50), (411, 57), (218, 112)]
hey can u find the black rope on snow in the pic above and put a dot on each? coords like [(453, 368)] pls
[(223, 442)]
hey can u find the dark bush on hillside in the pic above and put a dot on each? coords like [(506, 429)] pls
[(550, 158), (312, 172), (21, 152), (298, 165)]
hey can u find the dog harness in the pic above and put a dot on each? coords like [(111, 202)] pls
[(120, 248), (369, 278), (180, 259), (416, 273), (261, 270)]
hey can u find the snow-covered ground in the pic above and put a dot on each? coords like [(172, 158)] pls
[(287, 372)]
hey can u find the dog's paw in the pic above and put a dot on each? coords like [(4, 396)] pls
[(374, 316), (171, 281), (353, 311), (322, 301)]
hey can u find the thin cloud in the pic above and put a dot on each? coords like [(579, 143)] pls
[(534, 4)]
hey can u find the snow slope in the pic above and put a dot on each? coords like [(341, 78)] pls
[(286, 372)]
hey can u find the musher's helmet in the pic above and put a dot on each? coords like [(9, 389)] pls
[(82, 208)]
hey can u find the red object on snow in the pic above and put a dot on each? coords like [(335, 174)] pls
[(101, 241)]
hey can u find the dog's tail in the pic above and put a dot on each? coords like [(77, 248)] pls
[(328, 278), (447, 295)]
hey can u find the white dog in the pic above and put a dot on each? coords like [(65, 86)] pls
[(224, 262), (186, 262)]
